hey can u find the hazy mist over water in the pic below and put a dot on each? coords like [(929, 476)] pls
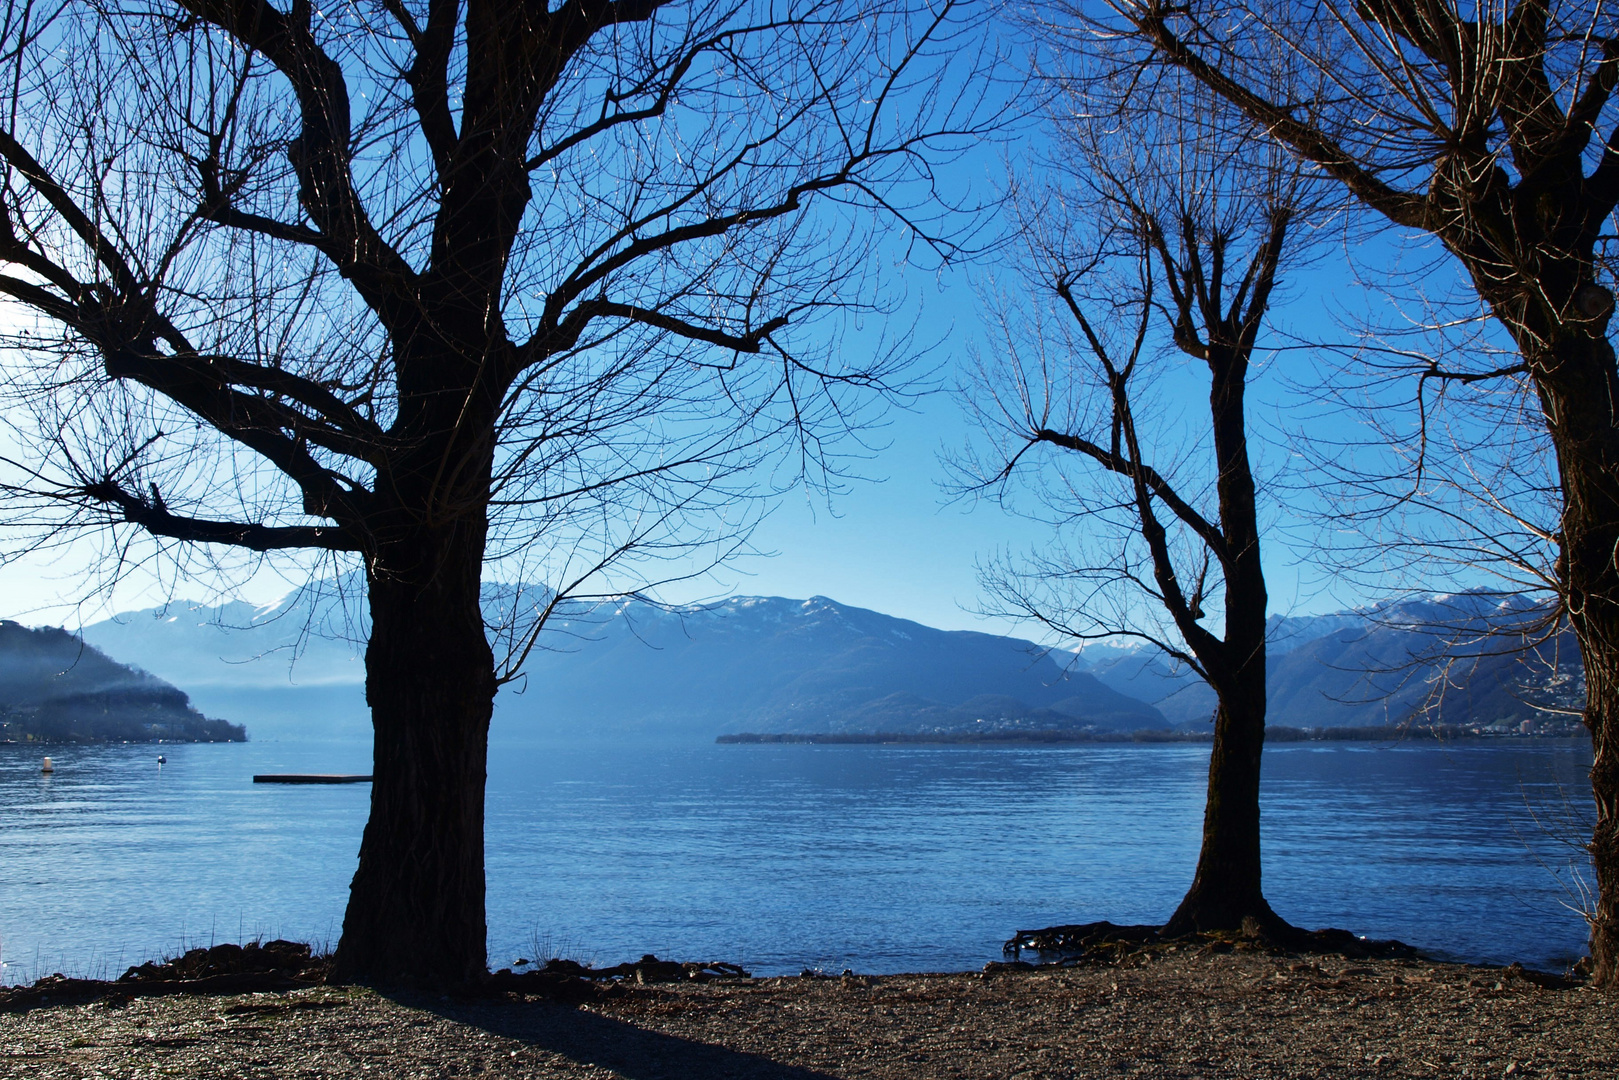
[(878, 859)]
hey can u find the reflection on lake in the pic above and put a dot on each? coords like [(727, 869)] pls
[(784, 857)]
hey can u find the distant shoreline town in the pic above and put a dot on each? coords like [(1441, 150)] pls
[(1390, 734)]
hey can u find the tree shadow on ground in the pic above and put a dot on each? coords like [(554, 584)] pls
[(589, 1038)]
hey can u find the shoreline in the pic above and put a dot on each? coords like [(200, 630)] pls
[(125, 742), (1148, 736), (1177, 1012)]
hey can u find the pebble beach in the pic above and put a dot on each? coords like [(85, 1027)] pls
[(1167, 1013)]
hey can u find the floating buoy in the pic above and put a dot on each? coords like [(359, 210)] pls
[(48, 767), (161, 760)]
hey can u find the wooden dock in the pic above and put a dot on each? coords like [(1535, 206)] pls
[(310, 778)]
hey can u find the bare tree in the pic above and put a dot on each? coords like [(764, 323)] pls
[(1156, 244), (421, 283), (1493, 128)]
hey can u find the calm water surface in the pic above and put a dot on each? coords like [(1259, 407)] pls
[(783, 857)]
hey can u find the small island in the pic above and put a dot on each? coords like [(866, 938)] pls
[(54, 688)]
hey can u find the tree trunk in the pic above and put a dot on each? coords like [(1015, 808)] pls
[(1579, 385), (416, 905), (1226, 890), (1602, 717)]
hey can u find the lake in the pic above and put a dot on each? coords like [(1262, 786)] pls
[(879, 859)]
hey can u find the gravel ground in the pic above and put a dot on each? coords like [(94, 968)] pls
[(1177, 1014)]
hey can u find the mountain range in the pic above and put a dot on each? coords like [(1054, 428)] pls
[(1469, 660), (767, 664), (749, 663)]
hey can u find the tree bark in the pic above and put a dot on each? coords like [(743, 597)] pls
[(1602, 717), (416, 905), (1227, 888), (1578, 383)]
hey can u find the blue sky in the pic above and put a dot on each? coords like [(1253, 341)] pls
[(897, 544), (893, 541)]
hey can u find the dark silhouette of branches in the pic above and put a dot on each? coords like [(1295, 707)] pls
[(432, 285), (1493, 129), (1156, 243)]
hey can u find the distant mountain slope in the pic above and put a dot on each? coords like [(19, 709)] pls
[(1384, 665), (303, 641), (751, 663), (769, 664), (1430, 658), (1183, 698), (54, 687)]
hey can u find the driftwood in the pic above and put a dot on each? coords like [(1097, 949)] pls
[(311, 778)]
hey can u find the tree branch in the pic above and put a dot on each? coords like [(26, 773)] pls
[(751, 342), (606, 121), (1156, 483), (321, 153), (1150, 21), (428, 75), (102, 249), (155, 518)]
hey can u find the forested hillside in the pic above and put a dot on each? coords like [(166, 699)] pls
[(55, 688)]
